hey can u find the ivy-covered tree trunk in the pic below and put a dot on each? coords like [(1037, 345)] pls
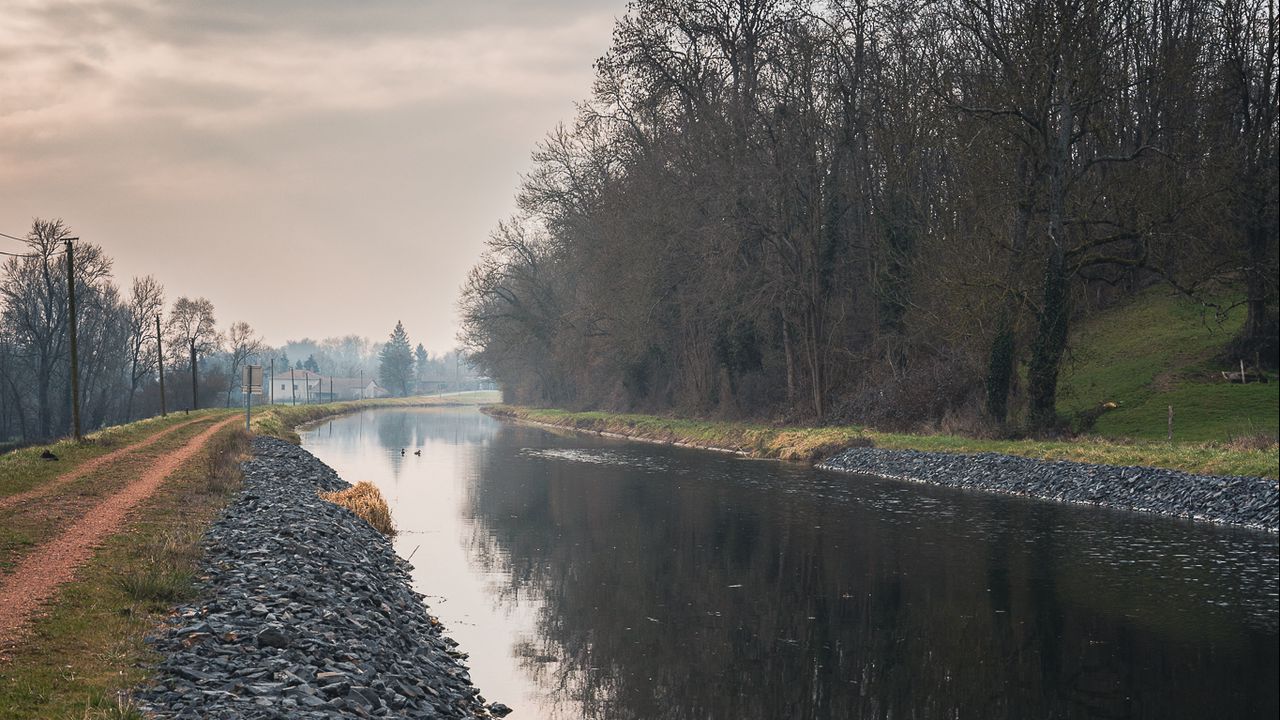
[(1051, 328), (1258, 338), (1003, 355), (1050, 343)]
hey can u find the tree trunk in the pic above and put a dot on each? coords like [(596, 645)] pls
[(1258, 337), (44, 422), (789, 353), (1000, 369), (1051, 332), (1003, 355)]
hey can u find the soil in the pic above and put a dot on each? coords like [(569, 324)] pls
[(43, 571), (89, 466)]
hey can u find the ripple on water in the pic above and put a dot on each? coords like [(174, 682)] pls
[(596, 456)]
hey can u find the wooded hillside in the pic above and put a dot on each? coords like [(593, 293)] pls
[(884, 211)]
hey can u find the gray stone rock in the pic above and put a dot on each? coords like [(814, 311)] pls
[(305, 611)]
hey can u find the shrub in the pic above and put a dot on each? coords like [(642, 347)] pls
[(366, 502)]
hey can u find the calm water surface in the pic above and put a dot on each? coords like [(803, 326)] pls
[(602, 579)]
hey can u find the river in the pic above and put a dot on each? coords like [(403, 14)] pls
[(596, 578)]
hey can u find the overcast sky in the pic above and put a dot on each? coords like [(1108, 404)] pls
[(313, 167)]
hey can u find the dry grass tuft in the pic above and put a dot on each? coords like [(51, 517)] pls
[(1253, 441), (365, 501)]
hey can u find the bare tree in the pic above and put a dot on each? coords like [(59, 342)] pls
[(34, 297), (192, 331), (242, 344), (146, 301)]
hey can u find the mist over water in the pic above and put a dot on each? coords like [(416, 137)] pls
[(597, 578)]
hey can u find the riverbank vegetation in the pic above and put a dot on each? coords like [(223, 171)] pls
[(812, 444), (366, 501), (900, 215)]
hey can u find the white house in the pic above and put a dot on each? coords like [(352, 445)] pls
[(294, 386), (304, 386)]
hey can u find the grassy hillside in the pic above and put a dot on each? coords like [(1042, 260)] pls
[(1155, 351)]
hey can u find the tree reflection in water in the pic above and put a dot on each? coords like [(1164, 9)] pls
[(670, 596), (639, 581)]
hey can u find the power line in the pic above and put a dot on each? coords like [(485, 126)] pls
[(26, 255), (32, 255)]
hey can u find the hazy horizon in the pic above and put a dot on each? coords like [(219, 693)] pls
[(275, 158)]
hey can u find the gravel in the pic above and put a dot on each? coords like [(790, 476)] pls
[(1246, 501), (305, 611)]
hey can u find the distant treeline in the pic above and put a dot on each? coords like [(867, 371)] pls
[(120, 337), (887, 211)]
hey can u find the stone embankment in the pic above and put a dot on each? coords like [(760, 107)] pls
[(1250, 502), (305, 611)]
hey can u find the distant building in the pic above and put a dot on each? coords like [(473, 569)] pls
[(289, 386), (309, 387), (351, 389)]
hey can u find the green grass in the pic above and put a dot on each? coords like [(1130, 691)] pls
[(813, 443), (30, 524), (83, 656), (280, 420), (1155, 351), (23, 469), (89, 647)]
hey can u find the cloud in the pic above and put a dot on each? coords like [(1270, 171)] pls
[(224, 66), (384, 137)]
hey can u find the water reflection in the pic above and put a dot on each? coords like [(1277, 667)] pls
[(624, 580)]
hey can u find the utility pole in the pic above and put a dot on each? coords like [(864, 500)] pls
[(294, 385), (361, 383), (195, 389), (160, 360), (75, 355), (273, 381), (331, 397)]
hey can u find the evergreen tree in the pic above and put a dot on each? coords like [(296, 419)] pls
[(422, 362), (311, 364), (395, 362)]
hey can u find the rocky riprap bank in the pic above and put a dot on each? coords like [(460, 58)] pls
[(305, 611), (1251, 502)]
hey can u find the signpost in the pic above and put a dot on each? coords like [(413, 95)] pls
[(250, 382)]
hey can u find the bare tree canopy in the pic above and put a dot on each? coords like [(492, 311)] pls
[(890, 211)]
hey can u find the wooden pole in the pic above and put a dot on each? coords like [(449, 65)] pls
[(294, 386), (75, 355), (160, 360), (273, 381), (195, 388)]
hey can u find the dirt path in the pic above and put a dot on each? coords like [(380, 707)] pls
[(89, 466), (45, 569)]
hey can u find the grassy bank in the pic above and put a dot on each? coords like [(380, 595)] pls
[(1159, 350), (21, 470), (279, 421), (90, 646), (814, 443)]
